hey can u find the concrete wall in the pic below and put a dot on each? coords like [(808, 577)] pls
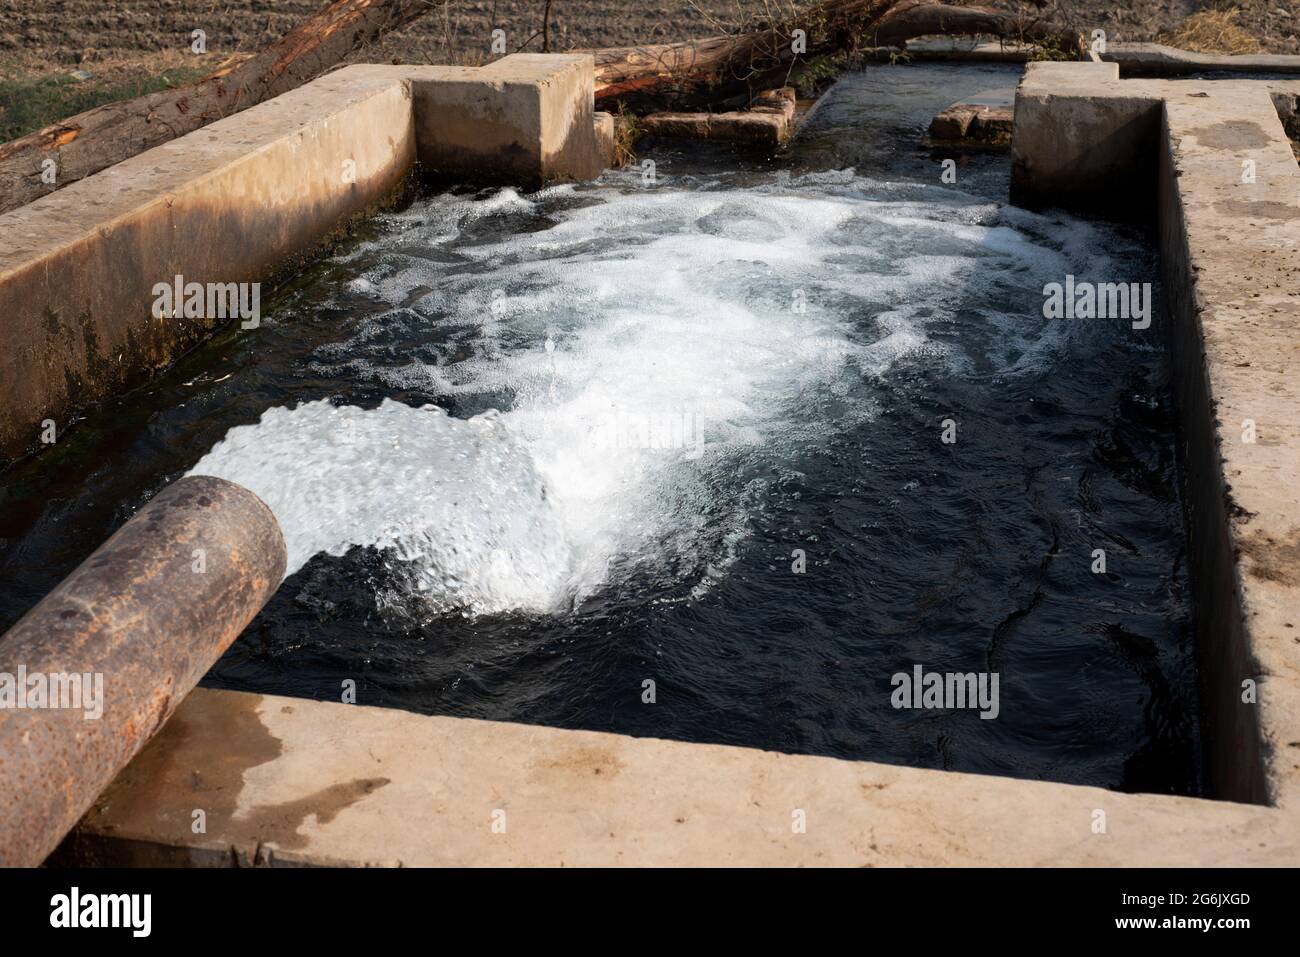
[(241, 198), (227, 203), (1230, 257)]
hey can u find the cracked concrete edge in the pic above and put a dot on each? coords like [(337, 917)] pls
[(289, 782)]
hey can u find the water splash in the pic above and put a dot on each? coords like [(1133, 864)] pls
[(457, 503), (650, 359)]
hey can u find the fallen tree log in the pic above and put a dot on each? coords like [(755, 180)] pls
[(921, 18), (693, 72), (688, 70), (98, 138)]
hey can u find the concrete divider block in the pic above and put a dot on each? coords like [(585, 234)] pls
[(769, 122), (1082, 138), (526, 117), (1156, 59)]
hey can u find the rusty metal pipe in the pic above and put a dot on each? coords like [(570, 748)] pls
[(144, 617)]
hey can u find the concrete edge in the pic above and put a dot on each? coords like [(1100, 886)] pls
[(1134, 59), (283, 780), (1230, 247)]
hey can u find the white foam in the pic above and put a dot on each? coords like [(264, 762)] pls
[(739, 312), (457, 502)]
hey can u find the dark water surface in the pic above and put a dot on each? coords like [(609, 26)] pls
[(822, 315)]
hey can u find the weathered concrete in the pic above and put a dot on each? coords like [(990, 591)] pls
[(283, 781), (769, 121), (525, 118), (90, 673), (952, 123), (1085, 152), (227, 203), (233, 202), (1134, 59), (1228, 212), (984, 122), (1158, 60), (606, 139)]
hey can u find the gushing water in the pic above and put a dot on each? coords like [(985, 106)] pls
[(580, 439), (649, 361), (458, 503)]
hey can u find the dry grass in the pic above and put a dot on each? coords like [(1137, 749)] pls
[(32, 95), (1213, 31), (626, 133)]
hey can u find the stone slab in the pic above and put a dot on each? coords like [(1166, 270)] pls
[(769, 121)]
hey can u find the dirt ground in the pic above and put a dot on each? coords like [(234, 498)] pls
[(78, 32), (58, 57), (45, 33)]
